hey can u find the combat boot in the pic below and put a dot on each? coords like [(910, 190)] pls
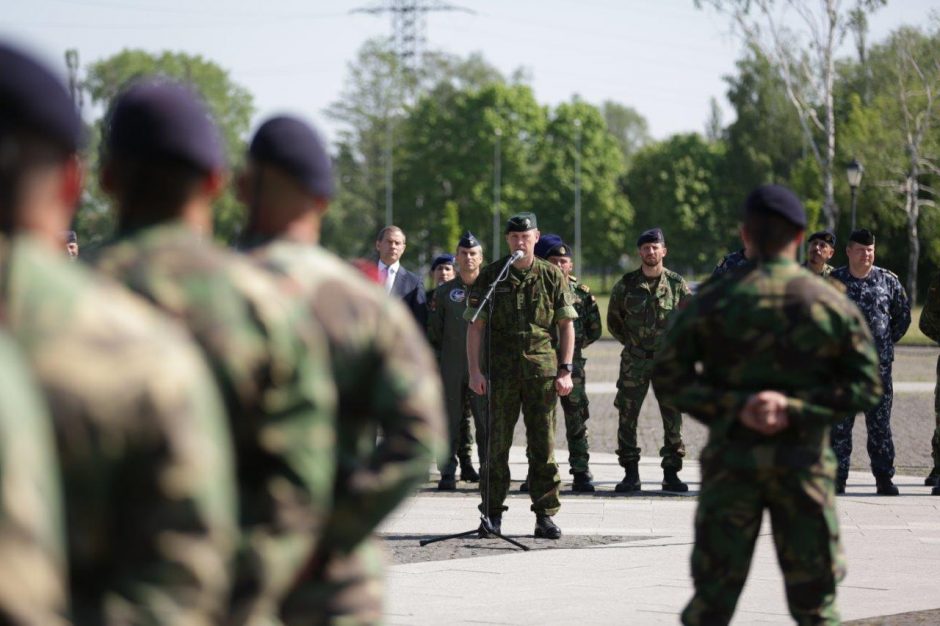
[(467, 472), (672, 483), (885, 487), (447, 483), (496, 524), (583, 482), (840, 487), (935, 491), (631, 479), (933, 478), (545, 528), (524, 487)]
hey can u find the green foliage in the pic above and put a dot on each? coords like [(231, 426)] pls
[(627, 126), (231, 106)]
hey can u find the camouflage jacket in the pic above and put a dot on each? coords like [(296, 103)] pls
[(447, 328), (882, 300), (640, 310), (587, 327), (827, 269), (387, 385), (769, 326), (729, 262), (32, 550), (525, 308), (146, 464), (271, 363), (930, 316)]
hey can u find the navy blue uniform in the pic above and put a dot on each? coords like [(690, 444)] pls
[(884, 303), (729, 262)]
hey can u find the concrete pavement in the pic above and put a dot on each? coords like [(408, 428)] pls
[(892, 547)]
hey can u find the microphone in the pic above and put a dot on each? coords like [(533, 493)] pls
[(515, 256), (518, 254)]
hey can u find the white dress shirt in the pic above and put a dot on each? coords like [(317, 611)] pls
[(388, 273)]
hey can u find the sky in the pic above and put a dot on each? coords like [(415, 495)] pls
[(665, 58)]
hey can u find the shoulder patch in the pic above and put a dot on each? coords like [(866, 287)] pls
[(584, 288), (457, 295)]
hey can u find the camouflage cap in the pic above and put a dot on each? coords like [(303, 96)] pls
[(776, 200), (442, 259), (653, 235), (551, 245), (863, 236), (293, 146), (824, 235), (521, 222), (468, 241)]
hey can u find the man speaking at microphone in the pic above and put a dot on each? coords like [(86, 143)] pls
[(523, 368)]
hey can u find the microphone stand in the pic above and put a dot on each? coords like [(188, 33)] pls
[(485, 529)]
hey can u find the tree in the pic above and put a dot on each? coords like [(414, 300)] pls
[(627, 126), (230, 104), (806, 62)]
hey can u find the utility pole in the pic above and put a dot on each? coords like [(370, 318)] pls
[(75, 88), (497, 184), (577, 198)]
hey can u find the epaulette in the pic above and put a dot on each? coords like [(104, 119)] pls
[(887, 271), (584, 288)]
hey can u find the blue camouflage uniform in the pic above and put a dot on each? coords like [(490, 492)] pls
[(729, 262), (884, 303)]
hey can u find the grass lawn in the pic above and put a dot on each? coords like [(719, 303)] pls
[(913, 337)]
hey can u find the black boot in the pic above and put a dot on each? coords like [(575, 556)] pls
[(524, 487), (467, 472), (447, 483), (496, 523), (583, 482), (672, 483), (885, 487), (545, 528), (932, 478), (840, 486), (935, 491), (631, 479)]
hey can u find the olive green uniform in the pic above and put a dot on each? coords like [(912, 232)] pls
[(521, 368), (827, 269), (640, 309)]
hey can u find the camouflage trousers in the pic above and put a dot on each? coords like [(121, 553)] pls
[(536, 397), (935, 442), (878, 424), (463, 406), (805, 526), (344, 590), (632, 385), (575, 406)]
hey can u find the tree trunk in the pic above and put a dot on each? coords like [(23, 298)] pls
[(912, 207)]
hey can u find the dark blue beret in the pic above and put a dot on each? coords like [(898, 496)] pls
[(653, 235), (825, 235), (291, 145), (521, 222), (467, 240), (159, 118), (69, 236), (442, 259), (863, 236), (33, 99), (551, 245), (776, 200)]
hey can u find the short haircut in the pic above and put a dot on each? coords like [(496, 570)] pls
[(391, 228), (769, 233), (21, 154), (150, 190)]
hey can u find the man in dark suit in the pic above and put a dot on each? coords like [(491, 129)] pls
[(399, 282)]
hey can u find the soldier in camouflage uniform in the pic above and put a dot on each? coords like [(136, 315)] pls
[(147, 473), (641, 305), (523, 368), (803, 358), (447, 332), (32, 551), (879, 295), (390, 424), (819, 250), (587, 330), (162, 164), (930, 326)]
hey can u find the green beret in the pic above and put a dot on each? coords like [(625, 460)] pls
[(521, 222)]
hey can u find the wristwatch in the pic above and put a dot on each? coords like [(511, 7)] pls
[(569, 367)]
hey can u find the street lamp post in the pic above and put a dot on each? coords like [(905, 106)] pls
[(577, 196), (853, 172), (497, 167)]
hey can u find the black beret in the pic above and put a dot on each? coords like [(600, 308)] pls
[(32, 98), (164, 119), (653, 235), (776, 200), (467, 240), (521, 222), (825, 235), (863, 236), (291, 145), (551, 245), (442, 259)]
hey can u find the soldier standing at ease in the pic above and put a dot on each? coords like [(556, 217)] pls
[(447, 332), (641, 304), (390, 425), (147, 476), (523, 368), (163, 167), (802, 358), (879, 295), (587, 330), (930, 326), (820, 248)]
